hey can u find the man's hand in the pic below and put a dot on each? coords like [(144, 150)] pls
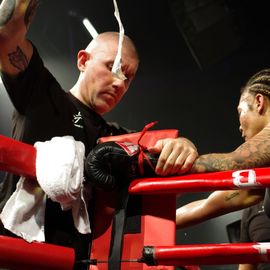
[(176, 156), (15, 50)]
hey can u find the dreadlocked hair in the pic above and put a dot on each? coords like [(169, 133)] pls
[(259, 83)]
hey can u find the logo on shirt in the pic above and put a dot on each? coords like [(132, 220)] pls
[(77, 120)]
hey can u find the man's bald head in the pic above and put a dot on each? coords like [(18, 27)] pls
[(107, 37)]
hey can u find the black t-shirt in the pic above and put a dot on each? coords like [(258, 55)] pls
[(255, 227), (44, 110)]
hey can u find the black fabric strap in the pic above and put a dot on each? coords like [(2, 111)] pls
[(118, 231), (266, 202)]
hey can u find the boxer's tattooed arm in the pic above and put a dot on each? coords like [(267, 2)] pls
[(30, 12), (251, 154), (18, 59), (7, 8), (225, 162)]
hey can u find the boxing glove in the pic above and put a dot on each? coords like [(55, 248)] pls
[(111, 164)]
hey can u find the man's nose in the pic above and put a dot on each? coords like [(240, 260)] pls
[(119, 84)]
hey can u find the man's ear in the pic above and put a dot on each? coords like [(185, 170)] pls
[(260, 103), (82, 57)]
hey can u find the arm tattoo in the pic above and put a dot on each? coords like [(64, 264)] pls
[(18, 59), (7, 8), (251, 154), (211, 163), (232, 195), (30, 12)]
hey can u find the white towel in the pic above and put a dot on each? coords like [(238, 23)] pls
[(59, 171)]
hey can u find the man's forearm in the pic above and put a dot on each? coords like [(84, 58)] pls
[(247, 267), (213, 163), (218, 203), (190, 214), (251, 154)]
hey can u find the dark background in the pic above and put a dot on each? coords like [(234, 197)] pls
[(195, 55)]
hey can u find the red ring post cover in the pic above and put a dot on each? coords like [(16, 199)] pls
[(212, 254), (17, 254), (157, 226), (17, 157)]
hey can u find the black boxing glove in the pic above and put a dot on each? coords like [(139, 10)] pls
[(111, 164)]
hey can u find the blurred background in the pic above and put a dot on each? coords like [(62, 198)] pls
[(194, 57)]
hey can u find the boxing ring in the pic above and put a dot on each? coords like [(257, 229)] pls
[(149, 246)]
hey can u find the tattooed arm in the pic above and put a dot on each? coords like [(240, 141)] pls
[(15, 50), (253, 153), (217, 204)]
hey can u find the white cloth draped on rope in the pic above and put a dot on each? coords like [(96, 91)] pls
[(59, 171)]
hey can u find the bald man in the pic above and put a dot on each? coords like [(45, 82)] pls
[(44, 110)]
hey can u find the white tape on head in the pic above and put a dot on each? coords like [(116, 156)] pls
[(244, 106), (117, 69)]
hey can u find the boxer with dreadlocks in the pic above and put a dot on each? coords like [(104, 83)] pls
[(254, 117)]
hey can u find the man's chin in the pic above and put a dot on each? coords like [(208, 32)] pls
[(104, 108)]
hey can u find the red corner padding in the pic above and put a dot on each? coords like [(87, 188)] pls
[(157, 220), (17, 254), (237, 179), (17, 157), (157, 228), (207, 254)]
